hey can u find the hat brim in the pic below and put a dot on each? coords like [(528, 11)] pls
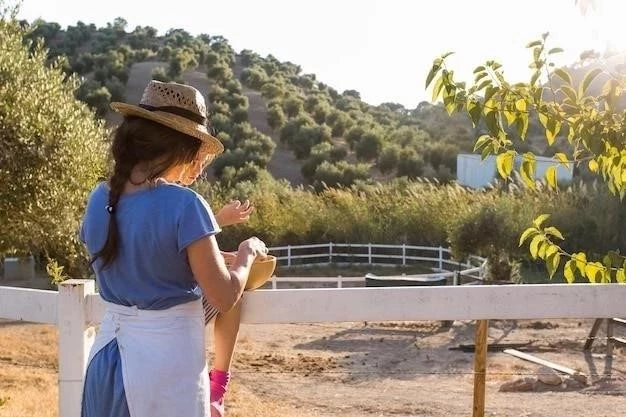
[(173, 121)]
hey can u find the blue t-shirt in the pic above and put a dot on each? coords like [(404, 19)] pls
[(151, 270)]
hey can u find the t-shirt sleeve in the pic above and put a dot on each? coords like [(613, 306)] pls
[(196, 221)]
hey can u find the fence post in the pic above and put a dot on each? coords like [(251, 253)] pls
[(330, 252), (274, 283), (403, 254), (339, 282), (75, 341), (288, 255), (369, 253), (480, 367), (440, 258), (455, 278)]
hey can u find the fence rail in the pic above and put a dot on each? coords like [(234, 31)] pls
[(375, 254), (372, 252), (76, 309)]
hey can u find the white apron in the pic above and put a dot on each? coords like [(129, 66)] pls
[(163, 358)]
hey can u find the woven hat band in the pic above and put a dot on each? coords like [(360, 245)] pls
[(187, 114)]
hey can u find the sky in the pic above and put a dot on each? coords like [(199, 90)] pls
[(383, 49)]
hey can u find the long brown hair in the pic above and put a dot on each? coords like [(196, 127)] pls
[(138, 140)]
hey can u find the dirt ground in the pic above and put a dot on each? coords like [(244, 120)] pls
[(363, 370)]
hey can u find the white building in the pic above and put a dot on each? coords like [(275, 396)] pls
[(473, 172)]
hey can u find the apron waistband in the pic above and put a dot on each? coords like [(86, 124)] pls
[(191, 308)]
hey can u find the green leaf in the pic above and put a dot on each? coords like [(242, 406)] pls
[(431, 74), (564, 75), (551, 250), (562, 158), (475, 110), (551, 176), (510, 117), (481, 141), (553, 231), (540, 219), (552, 130), (570, 93), (589, 77), (491, 120), (581, 261), (593, 271), (487, 150), (447, 54), (484, 84), (480, 76), (479, 69), (528, 169), (522, 125), (449, 100), (531, 231), (555, 51), (541, 253), (552, 262), (593, 166), (534, 245), (490, 92), (568, 271), (504, 163), (533, 44), (620, 276)]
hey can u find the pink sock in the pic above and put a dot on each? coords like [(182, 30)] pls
[(219, 383)]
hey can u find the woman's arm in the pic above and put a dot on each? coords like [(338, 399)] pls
[(222, 287)]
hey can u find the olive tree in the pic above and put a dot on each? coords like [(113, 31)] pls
[(52, 152)]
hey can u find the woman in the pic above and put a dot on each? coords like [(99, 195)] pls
[(154, 253)]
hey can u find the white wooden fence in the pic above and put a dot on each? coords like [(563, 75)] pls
[(76, 309), (438, 258)]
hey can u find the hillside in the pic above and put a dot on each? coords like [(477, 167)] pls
[(268, 113)]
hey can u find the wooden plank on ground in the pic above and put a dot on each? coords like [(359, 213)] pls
[(492, 347), (564, 369)]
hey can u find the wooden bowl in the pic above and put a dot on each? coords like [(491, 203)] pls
[(261, 271)]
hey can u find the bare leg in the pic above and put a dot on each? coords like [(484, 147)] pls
[(225, 331)]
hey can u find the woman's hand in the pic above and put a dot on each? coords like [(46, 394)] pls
[(234, 212), (253, 246)]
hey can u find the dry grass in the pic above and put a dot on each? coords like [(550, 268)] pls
[(28, 370), (29, 377), (28, 392)]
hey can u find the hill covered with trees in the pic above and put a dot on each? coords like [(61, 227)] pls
[(329, 137)]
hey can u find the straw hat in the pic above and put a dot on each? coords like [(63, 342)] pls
[(177, 106)]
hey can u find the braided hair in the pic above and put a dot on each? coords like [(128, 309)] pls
[(135, 141)]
